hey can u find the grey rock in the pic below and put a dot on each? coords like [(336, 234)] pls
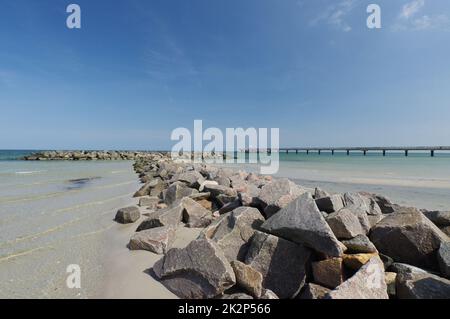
[(232, 232), (157, 240), (223, 181), (177, 191), (217, 190), (239, 295), (359, 244), (320, 193), (328, 272), (302, 223), (281, 263), (248, 278), (313, 291), (200, 270), (170, 216), (367, 283), (194, 214), (366, 204), (330, 204), (345, 224), (418, 285), (268, 294), (444, 259), (127, 215), (439, 218), (148, 201), (192, 179), (408, 237), (277, 195)]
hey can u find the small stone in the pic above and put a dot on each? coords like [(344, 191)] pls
[(128, 215), (422, 285), (330, 204), (390, 278), (148, 201), (356, 261)]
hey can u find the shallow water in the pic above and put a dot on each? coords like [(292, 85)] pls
[(53, 214)]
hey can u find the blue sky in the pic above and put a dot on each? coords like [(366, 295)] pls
[(138, 69)]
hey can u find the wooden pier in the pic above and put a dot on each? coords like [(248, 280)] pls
[(364, 150)]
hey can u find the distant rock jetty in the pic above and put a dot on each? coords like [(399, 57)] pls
[(85, 155), (266, 238)]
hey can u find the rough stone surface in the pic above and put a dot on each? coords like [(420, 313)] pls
[(281, 263), (422, 285), (170, 216), (390, 278), (439, 218), (313, 291), (248, 278), (408, 237), (177, 191), (367, 283), (192, 179), (194, 214), (268, 294), (238, 295), (363, 203), (345, 224), (444, 259), (198, 271), (330, 204), (302, 222), (127, 215), (319, 193), (157, 240), (148, 201), (359, 244), (277, 195), (356, 261), (328, 272), (232, 232)]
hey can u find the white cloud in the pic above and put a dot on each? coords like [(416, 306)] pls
[(411, 8), (410, 19), (335, 15)]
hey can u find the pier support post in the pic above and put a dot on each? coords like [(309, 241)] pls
[(307, 152), (384, 152), (348, 152), (365, 152), (319, 152), (296, 151), (406, 152), (432, 153), (332, 152), (287, 151)]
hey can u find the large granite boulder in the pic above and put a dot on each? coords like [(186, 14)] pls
[(177, 191), (127, 215), (409, 237), (194, 214), (330, 204), (439, 218), (444, 259), (364, 203), (149, 201), (421, 285), (302, 222), (345, 224), (281, 263), (192, 179), (170, 216), (232, 232), (277, 195), (200, 270), (157, 240), (367, 283)]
